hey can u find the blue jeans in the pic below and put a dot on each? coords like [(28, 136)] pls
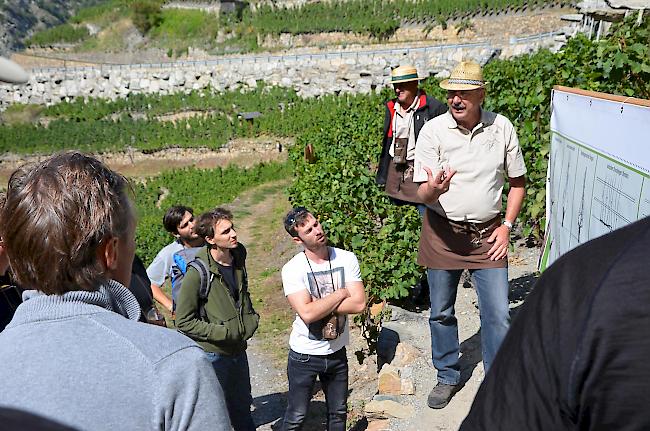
[(234, 377), (332, 371), (492, 290)]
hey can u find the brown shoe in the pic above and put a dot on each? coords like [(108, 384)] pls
[(440, 395)]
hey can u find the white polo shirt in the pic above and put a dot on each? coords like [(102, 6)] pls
[(482, 157)]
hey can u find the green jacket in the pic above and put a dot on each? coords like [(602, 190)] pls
[(227, 326)]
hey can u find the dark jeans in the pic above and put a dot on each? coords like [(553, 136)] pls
[(234, 377), (332, 371)]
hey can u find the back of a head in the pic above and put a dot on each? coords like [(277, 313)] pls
[(56, 215)]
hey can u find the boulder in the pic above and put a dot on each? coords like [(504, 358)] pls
[(378, 425), (387, 409), (389, 380), (405, 354)]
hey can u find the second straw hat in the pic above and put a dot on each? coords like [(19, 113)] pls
[(404, 74)]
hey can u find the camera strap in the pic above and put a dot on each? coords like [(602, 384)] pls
[(329, 261), (409, 114)]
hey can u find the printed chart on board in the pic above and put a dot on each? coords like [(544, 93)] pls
[(598, 174)]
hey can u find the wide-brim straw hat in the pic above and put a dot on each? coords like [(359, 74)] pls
[(466, 76), (404, 74), (11, 72)]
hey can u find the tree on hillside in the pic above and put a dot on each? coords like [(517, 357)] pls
[(146, 14)]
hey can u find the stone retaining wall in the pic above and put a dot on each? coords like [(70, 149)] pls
[(309, 74)]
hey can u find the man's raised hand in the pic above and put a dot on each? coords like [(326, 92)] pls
[(436, 185)]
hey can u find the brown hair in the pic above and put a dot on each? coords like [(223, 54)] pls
[(294, 218), (55, 217), (204, 226)]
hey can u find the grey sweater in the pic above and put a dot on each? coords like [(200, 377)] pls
[(83, 360)]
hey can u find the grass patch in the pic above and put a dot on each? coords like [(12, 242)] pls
[(102, 14), (268, 271), (181, 26), (111, 38), (262, 192), (64, 33), (238, 213), (20, 113)]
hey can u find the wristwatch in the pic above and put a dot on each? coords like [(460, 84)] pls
[(507, 224)]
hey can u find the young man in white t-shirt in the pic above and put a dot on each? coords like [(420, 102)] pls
[(323, 285)]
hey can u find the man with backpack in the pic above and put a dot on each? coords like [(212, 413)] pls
[(214, 308), (179, 221)]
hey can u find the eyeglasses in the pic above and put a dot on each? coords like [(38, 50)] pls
[(294, 215), (463, 94)]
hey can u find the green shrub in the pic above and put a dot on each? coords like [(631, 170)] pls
[(64, 33), (146, 14)]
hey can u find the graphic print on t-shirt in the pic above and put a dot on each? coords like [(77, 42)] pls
[(321, 284)]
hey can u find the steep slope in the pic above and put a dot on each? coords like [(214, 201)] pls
[(20, 18)]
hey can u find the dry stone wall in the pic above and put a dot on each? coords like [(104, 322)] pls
[(309, 74)]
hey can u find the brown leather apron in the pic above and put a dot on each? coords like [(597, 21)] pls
[(399, 182), (448, 244)]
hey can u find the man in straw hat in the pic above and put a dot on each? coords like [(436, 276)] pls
[(405, 116), (462, 160)]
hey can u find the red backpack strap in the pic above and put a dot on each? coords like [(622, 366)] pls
[(391, 109)]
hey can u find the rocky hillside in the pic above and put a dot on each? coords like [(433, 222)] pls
[(20, 18)]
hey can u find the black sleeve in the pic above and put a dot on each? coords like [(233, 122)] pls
[(576, 356), (522, 388), (140, 286), (384, 158)]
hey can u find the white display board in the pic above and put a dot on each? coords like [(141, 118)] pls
[(599, 167)]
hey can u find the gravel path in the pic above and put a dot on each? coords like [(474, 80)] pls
[(269, 388), (413, 328)]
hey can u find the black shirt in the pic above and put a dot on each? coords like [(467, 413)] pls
[(577, 357), (228, 274)]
